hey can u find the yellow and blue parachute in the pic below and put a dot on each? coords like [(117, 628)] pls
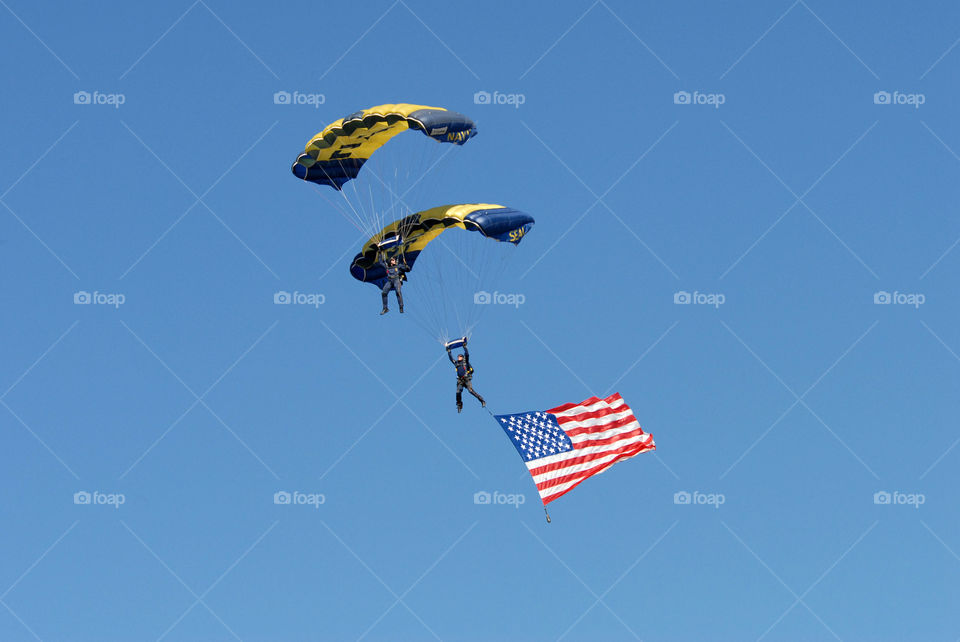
[(336, 155), (409, 236)]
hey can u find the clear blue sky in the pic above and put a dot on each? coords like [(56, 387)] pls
[(794, 402)]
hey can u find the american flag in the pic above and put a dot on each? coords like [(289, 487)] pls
[(565, 445)]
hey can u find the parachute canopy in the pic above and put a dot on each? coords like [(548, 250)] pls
[(336, 155), (409, 236)]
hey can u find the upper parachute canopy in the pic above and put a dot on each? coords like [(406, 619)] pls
[(407, 237), (335, 155)]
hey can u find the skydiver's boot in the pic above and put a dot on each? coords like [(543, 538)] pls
[(459, 408), (384, 311), (483, 404), (383, 295)]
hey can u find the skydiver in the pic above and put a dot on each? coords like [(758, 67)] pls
[(464, 375), (395, 275)]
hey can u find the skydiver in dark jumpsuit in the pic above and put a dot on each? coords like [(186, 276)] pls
[(395, 275), (464, 376)]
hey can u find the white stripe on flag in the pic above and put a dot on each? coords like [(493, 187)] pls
[(587, 450)]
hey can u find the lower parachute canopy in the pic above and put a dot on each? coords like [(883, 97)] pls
[(447, 290), (406, 238)]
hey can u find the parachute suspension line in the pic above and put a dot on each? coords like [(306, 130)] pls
[(388, 187), (476, 273), (373, 215), (384, 213), (424, 309), (433, 302), (467, 265), (412, 174), (373, 209), (493, 271), (430, 169), (424, 179), (453, 289), (445, 291), (458, 289), (342, 211), (358, 215)]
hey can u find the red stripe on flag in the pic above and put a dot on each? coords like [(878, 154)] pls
[(580, 459), (587, 402), (617, 423), (596, 414), (549, 498), (587, 472), (587, 443), (568, 406)]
